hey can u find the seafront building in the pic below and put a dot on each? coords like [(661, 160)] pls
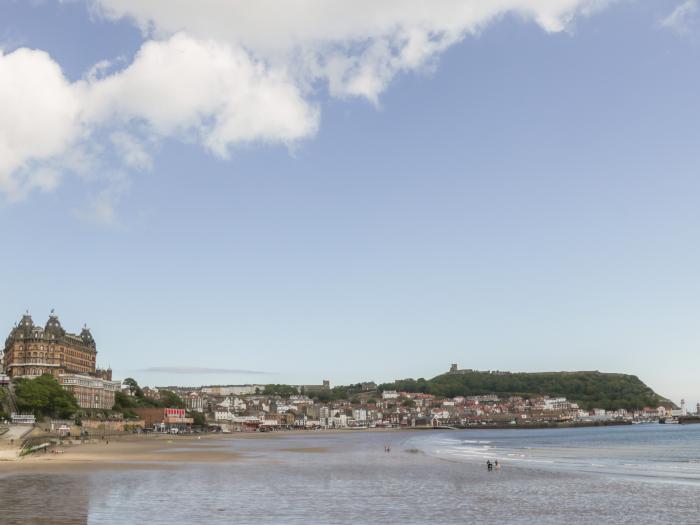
[(373, 408), (90, 391), (164, 418), (33, 350)]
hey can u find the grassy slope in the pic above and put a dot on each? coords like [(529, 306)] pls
[(588, 389)]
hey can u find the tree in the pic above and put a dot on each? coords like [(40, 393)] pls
[(588, 389), (122, 402), (280, 390), (44, 396), (169, 399), (198, 419), (323, 396), (134, 387)]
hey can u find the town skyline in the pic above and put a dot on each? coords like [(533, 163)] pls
[(512, 187), (35, 334)]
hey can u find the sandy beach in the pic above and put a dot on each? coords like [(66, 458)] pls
[(347, 478), (133, 450), (154, 450)]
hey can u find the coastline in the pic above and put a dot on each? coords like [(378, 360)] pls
[(154, 450), (223, 478), (163, 449)]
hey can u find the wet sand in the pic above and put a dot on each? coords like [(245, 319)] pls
[(137, 450), (152, 450), (344, 478)]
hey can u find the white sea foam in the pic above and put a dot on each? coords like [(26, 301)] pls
[(647, 452)]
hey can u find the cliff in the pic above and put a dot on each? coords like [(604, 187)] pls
[(588, 389)]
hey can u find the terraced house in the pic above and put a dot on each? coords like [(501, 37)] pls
[(32, 350)]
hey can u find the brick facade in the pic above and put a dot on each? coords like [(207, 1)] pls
[(32, 350)]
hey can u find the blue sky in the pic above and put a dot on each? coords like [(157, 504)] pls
[(522, 196)]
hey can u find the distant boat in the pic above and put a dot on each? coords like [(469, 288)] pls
[(668, 421)]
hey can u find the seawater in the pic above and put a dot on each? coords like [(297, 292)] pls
[(656, 453), (634, 474)]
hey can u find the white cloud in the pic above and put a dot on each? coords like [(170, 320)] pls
[(131, 151), (101, 205), (180, 87), (682, 17), (357, 46), (225, 72), (183, 86), (39, 120)]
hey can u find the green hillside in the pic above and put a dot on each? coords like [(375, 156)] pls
[(588, 389)]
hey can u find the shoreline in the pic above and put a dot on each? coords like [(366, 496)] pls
[(116, 482), (170, 451), (151, 450)]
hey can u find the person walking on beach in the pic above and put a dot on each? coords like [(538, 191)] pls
[(489, 465)]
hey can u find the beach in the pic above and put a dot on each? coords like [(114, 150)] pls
[(132, 449), (155, 450), (348, 478), (140, 451)]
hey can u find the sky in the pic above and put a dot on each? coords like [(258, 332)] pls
[(233, 192)]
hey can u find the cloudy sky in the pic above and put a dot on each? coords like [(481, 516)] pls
[(230, 191)]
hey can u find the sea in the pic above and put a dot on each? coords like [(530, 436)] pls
[(634, 474)]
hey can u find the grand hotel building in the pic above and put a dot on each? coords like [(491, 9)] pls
[(32, 350)]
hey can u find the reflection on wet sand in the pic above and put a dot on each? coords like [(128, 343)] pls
[(38, 498), (346, 479)]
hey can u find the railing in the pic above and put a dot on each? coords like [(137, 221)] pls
[(12, 400), (31, 361), (22, 419)]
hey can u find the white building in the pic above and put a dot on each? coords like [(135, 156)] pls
[(22, 419), (390, 394), (89, 391), (682, 412), (233, 390), (195, 402), (556, 403), (360, 415), (226, 405), (223, 415)]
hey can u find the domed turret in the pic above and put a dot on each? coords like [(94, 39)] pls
[(53, 328), (86, 336), (25, 326)]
